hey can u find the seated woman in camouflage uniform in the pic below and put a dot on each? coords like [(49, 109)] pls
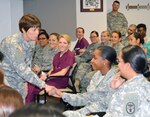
[(45, 51), (132, 97), (99, 91), (116, 41), (83, 62), (105, 38), (136, 39)]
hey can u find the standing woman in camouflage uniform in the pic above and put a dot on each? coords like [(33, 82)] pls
[(132, 95), (18, 49)]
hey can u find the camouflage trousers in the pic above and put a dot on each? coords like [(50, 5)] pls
[(85, 81), (84, 74)]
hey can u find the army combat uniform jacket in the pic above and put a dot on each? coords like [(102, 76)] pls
[(132, 99), (16, 64), (43, 57), (95, 99)]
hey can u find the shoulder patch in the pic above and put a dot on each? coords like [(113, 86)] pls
[(130, 104)]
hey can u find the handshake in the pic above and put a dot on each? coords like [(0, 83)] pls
[(53, 91)]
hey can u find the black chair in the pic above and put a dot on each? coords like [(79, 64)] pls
[(41, 98)]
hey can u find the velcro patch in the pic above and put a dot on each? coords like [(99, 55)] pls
[(130, 104)]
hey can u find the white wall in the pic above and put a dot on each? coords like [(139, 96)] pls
[(10, 13), (134, 16), (12, 10), (16, 13), (91, 20), (98, 20)]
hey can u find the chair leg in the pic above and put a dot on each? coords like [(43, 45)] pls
[(41, 99)]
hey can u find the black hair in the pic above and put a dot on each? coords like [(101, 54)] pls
[(116, 1), (138, 36), (136, 57), (81, 29), (97, 34), (37, 110), (141, 25), (1, 56), (108, 53), (42, 30), (44, 33)]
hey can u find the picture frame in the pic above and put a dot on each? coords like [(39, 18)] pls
[(91, 5)]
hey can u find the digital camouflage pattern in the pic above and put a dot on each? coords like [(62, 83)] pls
[(117, 23), (88, 54), (83, 62), (118, 47), (95, 99), (132, 99), (43, 56), (17, 61)]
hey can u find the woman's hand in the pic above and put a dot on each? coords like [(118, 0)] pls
[(53, 91), (43, 76), (117, 81), (82, 51), (49, 73)]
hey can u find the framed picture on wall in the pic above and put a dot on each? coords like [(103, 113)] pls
[(91, 5)]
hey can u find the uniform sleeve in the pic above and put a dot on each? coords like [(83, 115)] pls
[(108, 24), (124, 26), (82, 99), (94, 107), (75, 99), (17, 61), (73, 114), (97, 106)]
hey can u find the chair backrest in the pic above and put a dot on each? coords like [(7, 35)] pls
[(72, 78), (41, 98)]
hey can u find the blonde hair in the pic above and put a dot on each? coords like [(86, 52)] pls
[(108, 34), (66, 37)]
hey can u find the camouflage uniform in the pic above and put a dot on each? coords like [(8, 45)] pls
[(85, 81), (43, 57), (108, 44), (117, 23), (88, 54), (125, 41), (95, 99), (132, 99), (118, 47), (83, 61), (17, 59)]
